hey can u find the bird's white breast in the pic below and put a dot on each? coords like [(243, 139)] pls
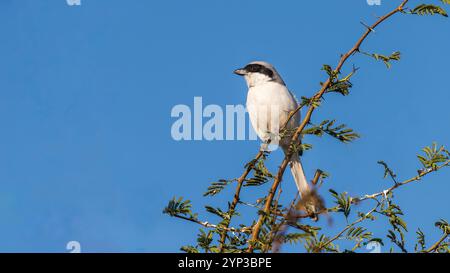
[(269, 105)]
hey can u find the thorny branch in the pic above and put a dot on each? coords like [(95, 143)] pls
[(209, 225), (397, 185)]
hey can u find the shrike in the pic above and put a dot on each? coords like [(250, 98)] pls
[(269, 104)]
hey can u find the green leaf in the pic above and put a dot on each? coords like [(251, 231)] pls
[(343, 201), (340, 132), (433, 156), (443, 225), (425, 9), (420, 240), (338, 85), (294, 238), (388, 171), (217, 187), (204, 239), (178, 207), (385, 59), (261, 175), (331, 73), (358, 233), (189, 249), (378, 240), (314, 102), (218, 212)]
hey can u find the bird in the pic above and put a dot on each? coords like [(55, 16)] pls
[(269, 105)]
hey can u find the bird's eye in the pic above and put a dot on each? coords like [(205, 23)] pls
[(252, 68)]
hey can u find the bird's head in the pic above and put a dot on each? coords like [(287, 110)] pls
[(256, 73)]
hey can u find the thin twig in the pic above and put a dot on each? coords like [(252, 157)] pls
[(209, 225), (397, 185), (437, 244), (359, 220)]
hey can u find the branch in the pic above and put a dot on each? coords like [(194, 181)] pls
[(362, 218), (233, 205), (397, 185), (437, 244), (208, 225)]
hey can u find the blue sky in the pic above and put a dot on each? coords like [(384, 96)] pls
[(86, 94)]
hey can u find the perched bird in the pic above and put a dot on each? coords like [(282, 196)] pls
[(269, 104)]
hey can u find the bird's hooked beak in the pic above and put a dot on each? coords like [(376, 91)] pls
[(240, 72)]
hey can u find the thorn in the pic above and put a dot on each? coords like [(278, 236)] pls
[(368, 27), (316, 177), (377, 16)]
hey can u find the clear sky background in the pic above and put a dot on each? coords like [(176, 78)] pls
[(86, 93)]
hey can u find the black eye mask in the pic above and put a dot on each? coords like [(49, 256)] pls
[(257, 68)]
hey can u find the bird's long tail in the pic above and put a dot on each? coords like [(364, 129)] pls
[(299, 175), (309, 198)]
